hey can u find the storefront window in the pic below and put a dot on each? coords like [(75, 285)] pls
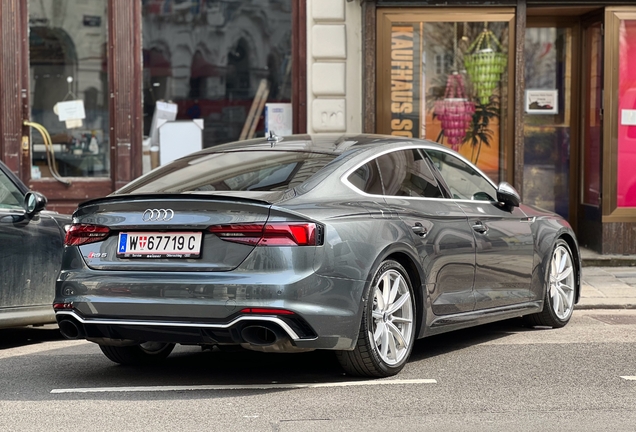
[(626, 182), (448, 82), (69, 87), (211, 59)]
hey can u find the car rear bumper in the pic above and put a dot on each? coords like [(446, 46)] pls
[(206, 308)]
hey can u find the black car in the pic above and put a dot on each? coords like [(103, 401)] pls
[(357, 244), (31, 245)]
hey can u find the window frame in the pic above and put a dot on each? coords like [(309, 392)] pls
[(344, 178)]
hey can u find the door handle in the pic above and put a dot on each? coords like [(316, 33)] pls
[(419, 229), (480, 228)]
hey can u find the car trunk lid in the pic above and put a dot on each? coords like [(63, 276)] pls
[(167, 232)]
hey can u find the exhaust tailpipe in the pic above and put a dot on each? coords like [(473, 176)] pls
[(70, 329), (260, 335)]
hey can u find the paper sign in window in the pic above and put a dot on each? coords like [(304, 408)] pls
[(70, 110)]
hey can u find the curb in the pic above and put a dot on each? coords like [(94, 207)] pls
[(609, 262), (604, 306)]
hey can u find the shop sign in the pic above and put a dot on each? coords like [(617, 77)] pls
[(404, 72)]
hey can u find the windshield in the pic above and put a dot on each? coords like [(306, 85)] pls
[(232, 171)]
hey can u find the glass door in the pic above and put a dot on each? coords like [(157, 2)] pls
[(69, 88), (550, 117), (69, 100)]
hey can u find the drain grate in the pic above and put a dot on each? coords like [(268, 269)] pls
[(616, 319)]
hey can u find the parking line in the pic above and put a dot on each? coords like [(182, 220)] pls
[(274, 386), (629, 378)]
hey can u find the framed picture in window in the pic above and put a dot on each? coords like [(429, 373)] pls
[(542, 101)]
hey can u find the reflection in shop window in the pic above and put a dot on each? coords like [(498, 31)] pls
[(69, 86), (210, 57), (449, 83)]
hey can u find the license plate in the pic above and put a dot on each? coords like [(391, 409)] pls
[(159, 245)]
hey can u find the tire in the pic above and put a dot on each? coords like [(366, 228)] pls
[(143, 354), (560, 291), (387, 330)]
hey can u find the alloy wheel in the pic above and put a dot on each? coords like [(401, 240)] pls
[(562, 283), (392, 317)]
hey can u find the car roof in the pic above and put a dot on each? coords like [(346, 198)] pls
[(316, 143)]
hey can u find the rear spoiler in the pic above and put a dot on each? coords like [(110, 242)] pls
[(185, 197)]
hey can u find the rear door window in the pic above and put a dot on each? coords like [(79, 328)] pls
[(406, 173)]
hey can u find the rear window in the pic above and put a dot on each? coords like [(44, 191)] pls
[(232, 171)]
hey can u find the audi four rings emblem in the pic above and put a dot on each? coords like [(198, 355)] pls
[(155, 215)]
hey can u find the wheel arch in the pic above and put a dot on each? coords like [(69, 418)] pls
[(407, 259), (416, 277)]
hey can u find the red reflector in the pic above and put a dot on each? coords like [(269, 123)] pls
[(58, 306), (83, 234), (266, 311), (270, 234)]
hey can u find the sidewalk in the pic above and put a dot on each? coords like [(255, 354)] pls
[(608, 281)]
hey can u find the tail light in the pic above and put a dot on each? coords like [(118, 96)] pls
[(82, 234), (268, 234)]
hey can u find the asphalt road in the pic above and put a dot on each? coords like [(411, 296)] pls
[(500, 377)]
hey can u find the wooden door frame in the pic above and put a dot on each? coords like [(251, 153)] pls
[(610, 210), (125, 110), (575, 98)]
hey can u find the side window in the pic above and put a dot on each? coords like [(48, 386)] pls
[(463, 180), (367, 178), (10, 195), (406, 173)]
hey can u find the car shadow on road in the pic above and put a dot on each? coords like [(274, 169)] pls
[(191, 366), (459, 339), (22, 336)]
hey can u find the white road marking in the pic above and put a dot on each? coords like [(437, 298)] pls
[(629, 378), (40, 348), (242, 387)]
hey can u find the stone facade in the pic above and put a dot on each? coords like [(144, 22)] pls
[(334, 60)]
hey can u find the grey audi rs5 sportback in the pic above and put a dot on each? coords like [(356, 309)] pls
[(357, 244)]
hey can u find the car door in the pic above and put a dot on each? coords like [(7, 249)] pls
[(505, 251), (438, 228), (30, 257)]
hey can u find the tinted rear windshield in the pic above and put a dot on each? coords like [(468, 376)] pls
[(232, 171)]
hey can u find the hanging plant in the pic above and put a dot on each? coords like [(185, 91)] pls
[(485, 62), (455, 111)]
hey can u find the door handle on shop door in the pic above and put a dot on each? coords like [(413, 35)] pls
[(480, 228), (419, 229)]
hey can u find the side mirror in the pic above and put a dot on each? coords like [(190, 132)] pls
[(34, 202), (508, 195)]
